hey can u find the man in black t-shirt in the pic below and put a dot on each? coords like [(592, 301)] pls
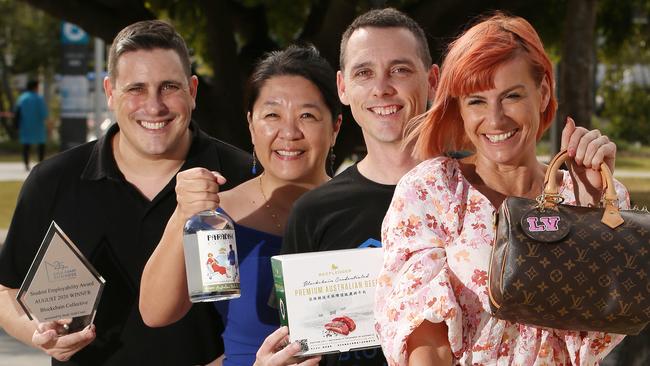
[(113, 198), (386, 78)]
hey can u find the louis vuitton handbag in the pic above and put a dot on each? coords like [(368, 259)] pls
[(570, 267)]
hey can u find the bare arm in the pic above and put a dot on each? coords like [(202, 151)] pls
[(42, 336), (13, 319), (163, 287), (428, 345)]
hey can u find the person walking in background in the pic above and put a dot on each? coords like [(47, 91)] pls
[(30, 114)]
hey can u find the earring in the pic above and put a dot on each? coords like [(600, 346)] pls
[(332, 158), (254, 168)]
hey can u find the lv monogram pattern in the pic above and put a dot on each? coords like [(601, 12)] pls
[(437, 238), (594, 279)]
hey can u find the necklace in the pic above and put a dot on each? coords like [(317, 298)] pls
[(274, 216)]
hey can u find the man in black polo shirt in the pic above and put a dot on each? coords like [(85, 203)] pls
[(113, 198)]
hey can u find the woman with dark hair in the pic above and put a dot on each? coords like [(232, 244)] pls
[(294, 118), (495, 98)]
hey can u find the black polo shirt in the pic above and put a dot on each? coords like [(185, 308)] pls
[(117, 229)]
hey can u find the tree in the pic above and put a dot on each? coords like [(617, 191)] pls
[(625, 88), (227, 36), (577, 68)]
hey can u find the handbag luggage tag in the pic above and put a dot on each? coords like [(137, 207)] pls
[(545, 222)]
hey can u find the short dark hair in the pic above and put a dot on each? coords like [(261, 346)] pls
[(296, 60), (32, 85), (387, 18), (147, 35)]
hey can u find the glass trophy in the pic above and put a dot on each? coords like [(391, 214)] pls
[(61, 283)]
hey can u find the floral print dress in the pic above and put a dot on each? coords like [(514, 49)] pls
[(437, 238)]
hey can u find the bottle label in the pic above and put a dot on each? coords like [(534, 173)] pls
[(218, 256)]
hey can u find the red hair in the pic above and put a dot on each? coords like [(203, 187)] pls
[(469, 67)]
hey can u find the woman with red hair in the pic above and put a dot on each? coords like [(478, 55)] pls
[(495, 98)]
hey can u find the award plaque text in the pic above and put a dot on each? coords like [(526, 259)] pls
[(61, 283)]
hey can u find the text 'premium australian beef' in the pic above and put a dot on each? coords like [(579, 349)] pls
[(326, 298)]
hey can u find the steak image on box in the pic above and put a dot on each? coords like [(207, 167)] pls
[(326, 298)]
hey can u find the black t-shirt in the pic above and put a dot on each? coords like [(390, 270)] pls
[(117, 229), (344, 213)]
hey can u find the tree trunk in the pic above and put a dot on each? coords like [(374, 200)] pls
[(6, 92), (324, 28), (220, 111), (577, 69), (220, 104)]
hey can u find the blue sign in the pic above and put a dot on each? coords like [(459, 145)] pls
[(72, 34)]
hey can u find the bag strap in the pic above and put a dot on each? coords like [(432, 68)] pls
[(611, 216)]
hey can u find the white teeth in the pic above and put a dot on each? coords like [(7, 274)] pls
[(153, 125), (384, 111), (500, 137), (288, 153)]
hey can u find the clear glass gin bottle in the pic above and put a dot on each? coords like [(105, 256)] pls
[(211, 261)]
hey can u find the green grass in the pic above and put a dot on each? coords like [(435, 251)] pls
[(628, 157), (639, 189), (640, 199), (10, 158), (636, 184), (11, 151), (639, 195), (638, 160), (8, 195), (633, 163)]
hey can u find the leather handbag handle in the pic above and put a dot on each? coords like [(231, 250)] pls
[(612, 216)]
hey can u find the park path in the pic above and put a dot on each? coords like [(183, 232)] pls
[(12, 352), (13, 171)]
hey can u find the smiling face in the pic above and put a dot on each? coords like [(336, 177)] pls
[(502, 123), (292, 129), (152, 99), (384, 82)]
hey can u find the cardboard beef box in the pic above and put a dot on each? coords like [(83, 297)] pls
[(326, 298)]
